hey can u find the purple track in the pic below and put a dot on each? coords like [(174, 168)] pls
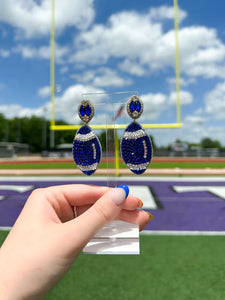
[(179, 211)]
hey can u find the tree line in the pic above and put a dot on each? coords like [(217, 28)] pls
[(35, 131)]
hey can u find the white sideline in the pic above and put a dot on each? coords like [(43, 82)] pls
[(182, 233)]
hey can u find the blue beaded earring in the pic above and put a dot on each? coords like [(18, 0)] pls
[(87, 149), (136, 147)]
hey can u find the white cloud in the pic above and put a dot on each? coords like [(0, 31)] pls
[(183, 81), (103, 77), (132, 67), (192, 130), (30, 52), (201, 52), (215, 133), (215, 101), (44, 91), (33, 18), (154, 105), (4, 53), (65, 105), (64, 70), (193, 120), (166, 12), (141, 45), (16, 110), (185, 98), (127, 35)]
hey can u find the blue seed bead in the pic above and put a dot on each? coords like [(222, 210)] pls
[(132, 106), (82, 110), (88, 110), (138, 106), (86, 152), (136, 151)]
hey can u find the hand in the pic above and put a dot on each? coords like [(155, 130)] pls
[(47, 237)]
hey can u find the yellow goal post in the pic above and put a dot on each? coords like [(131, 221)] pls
[(54, 126), (58, 127)]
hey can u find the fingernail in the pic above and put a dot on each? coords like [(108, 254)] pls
[(125, 188), (119, 194), (140, 203), (150, 215)]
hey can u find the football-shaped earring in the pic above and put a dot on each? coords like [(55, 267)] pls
[(136, 146), (87, 149)]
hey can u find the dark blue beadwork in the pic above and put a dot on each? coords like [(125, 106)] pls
[(86, 150), (85, 110), (135, 105), (136, 151), (131, 106)]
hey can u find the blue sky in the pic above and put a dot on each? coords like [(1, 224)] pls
[(114, 46)]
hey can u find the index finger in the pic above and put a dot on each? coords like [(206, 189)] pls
[(81, 194)]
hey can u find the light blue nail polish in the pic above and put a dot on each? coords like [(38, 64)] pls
[(125, 188)]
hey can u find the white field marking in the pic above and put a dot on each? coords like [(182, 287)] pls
[(15, 188), (2, 228), (119, 180), (185, 232), (143, 193), (219, 191), (172, 178), (164, 232)]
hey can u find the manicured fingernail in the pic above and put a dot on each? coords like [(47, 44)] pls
[(125, 188), (150, 215), (140, 203), (118, 195)]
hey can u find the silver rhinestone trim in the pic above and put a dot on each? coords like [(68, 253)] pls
[(94, 151), (138, 167), (88, 168), (145, 149), (84, 137), (133, 135)]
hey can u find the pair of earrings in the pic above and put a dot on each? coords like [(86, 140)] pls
[(136, 147)]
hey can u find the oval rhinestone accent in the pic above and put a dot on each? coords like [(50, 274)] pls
[(136, 148), (86, 111), (87, 150), (134, 107)]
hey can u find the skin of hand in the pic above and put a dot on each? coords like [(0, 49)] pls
[(47, 238)]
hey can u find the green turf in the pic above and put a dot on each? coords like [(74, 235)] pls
[(169, 267), (52, 165), (71, 165)]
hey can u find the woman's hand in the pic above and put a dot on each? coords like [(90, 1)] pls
[(47, 237)]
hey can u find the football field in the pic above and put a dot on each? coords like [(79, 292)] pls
[(182, 248)]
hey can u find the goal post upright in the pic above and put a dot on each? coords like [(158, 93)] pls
[(58, 127)]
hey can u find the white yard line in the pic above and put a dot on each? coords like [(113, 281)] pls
[(180, 232)]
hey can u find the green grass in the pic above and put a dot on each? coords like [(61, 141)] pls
[(71, 165), (51, 165), (169, 268)]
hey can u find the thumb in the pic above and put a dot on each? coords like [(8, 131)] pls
[(106, 209)]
